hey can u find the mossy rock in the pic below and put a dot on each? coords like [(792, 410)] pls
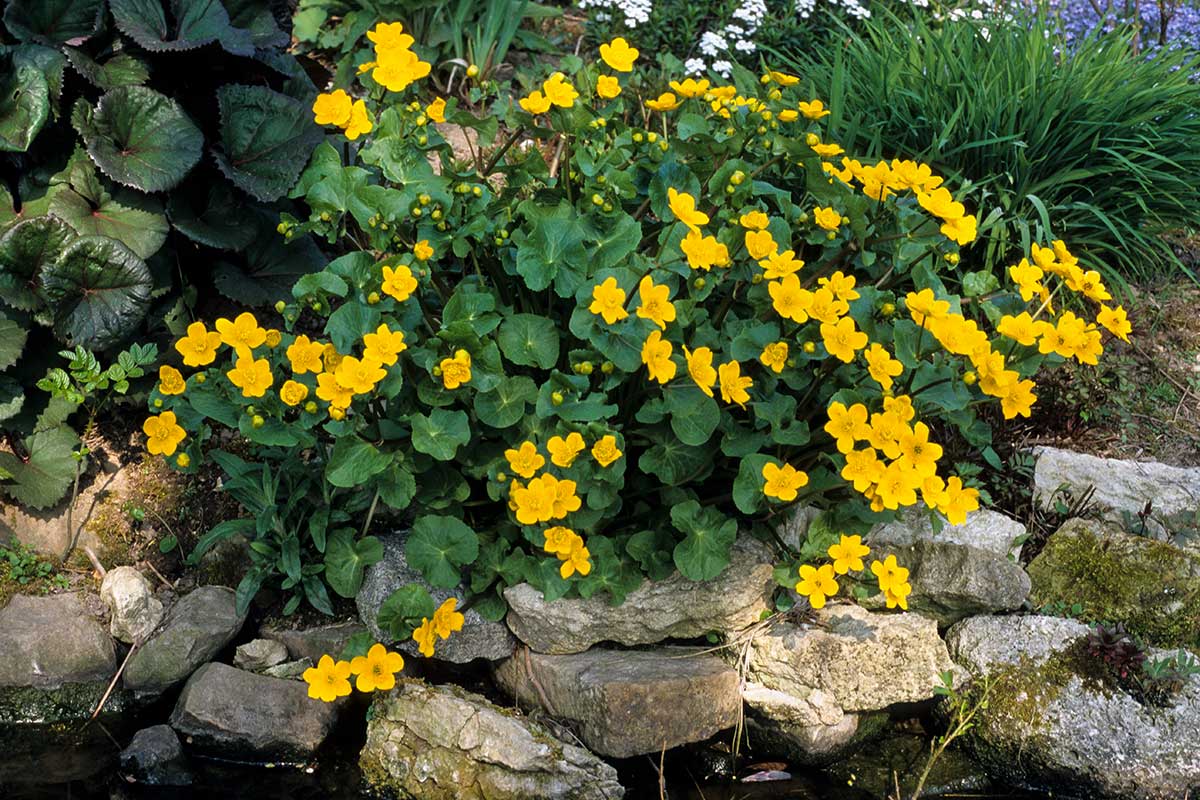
[(27, 705), (1151, 587)]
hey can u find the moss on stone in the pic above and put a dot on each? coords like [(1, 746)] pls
[(151, 487), (22, 705), (1152, 588)]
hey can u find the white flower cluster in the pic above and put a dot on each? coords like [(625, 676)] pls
[(635, 12)]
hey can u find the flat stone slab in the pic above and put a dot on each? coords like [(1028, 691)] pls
[(675, 608), (227, 711), (47, 642), (985, 529), (444, 743), (804, 730), (313, 642), (629, 702)]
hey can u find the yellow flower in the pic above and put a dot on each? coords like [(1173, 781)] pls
[(425, 636), (525, 460), (328, 680), (576, 560), (842, 339), (847, 425), (841, 285), (608, 301), (897, 595), (827, 150), (783, 79), (690, 87), (436, 110), (703, 252), (958, 501), (534, 502), (683, 206), (863, 468), (565, 499), (535, 103), (1018, 399), (398, 68), (360, 121), (783, 482), (656, 304), (700, 368), (1021, 329), (941, 203), (779, 265), (827, 218), (253, 376), (293, 393), (826, 307), (1028, 278), (305, 355), (774, 356), (332, 392), (608, 87), (199, 346), (961, 230), (733, 383), (619, 55), (377, 669), (456, 371), (564, 451), (242, 332), (170, 380), (422, 251), (901, 406), (754, 220), (1089, 285), (760, 244), (559, 540), (605, 451), (163, 434), (882, 367), (664, 102), (817, 584), (789, 115), (359, 375), (897, 486), (917, 453), (888, 573), (183, 460), (913, 175), (848, 554), (1113, 319), (399, 282), (789, 299), (924, 304), (384, 345), (813, 110), (330, 357), (656, 355), (446, 620), (559, 91), (332, 108), (390, 36)]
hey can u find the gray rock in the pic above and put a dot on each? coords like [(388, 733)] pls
[(47, 642), (805, 730), (313, 642), (675, 608), (227, 711), (986, 530), (629, 702), (259, 654), (1120, 486), (444, 743), (196, 629), (290, 669), (155, 757), (1051, 721), (863, 660), (136, 612), (479, 638)]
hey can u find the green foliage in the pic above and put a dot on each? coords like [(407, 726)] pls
[(1096, 142), (23, 570)]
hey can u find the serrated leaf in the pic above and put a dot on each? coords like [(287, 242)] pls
[(44, 478), (12, 341), (255, 17), (120, 69), (216, 217), (140, 138), (265, 139), (134, 220), (25, 250), (98, 291), (439, 546), (269, 268), (346, 559), (24, 107), (53, 22), (529, 340), (187, 25), (12, 394), (704, 552)]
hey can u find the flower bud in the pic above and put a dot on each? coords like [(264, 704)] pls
[(200, 378), (638, 137), (158, 403), (607, 367), (422, 140), (336, 414), (699, 283), (373, 298), (970, 378), (556, 398), (280, 306), (652, 137), (757, 279), (257, 421), (183, 460), (809, 347), (273, 338), (472, 71), (502, 477), (310, 407), (477, 191)]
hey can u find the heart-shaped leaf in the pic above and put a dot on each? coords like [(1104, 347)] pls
[(134, 220), (12, 341), (271, 266), (121, 69), (42, 481), (189, 24), (24, 106), (346, 559), (99, 291), (212, 215), (25, 250), (53, 22), (266, 139), (139, 138), (438, 546)]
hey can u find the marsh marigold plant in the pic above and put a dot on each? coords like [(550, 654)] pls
[(639, 316)]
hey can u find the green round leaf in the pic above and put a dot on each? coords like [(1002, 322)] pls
[(53, 22), (704, 552), (24, 107), (748, 486), (353, 462), (140, 138), (404, 609), (346, 559), (441, 433), (25, 250), (98, 290), (694, 415), (187, 24), (529, 340), (438, 546), (135, 221), (216, 217), (266, 139), (504, 406), (44, 478)]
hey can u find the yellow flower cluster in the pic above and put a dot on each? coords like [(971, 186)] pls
[(330, 679), (556, 91), (395, 65), (570, 549), (818, 584), (1072, 337), (337, 108), (446, 620)]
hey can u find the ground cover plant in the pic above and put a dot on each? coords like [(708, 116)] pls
[(641, 318)]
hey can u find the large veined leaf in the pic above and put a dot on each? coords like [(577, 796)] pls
[(25, 250), (139, 138), (120, 69), (12, 394), (266, 139), (46, 60), (98, 291), (24, 106), (255, 16), (44, 478), (212, 215), (136, 221), (12, 341), (346, 559), (270, 269), (187, 25), (53, 22)]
